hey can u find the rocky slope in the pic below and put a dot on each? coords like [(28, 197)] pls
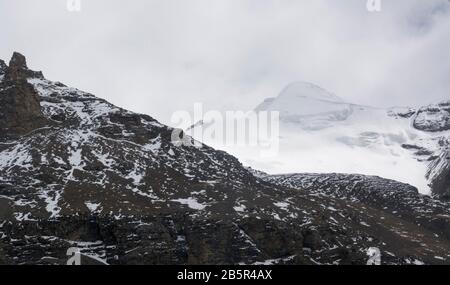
[(76, 171)]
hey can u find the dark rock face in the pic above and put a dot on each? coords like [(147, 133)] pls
[(112, 184), (20, 110), (18, 69), (3, 68), (439, 174), (434, 118)]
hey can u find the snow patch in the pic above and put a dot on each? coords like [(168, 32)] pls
[(93, 207), (191, 203)]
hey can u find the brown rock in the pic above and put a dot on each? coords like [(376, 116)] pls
[(18, 69), (20, 110)]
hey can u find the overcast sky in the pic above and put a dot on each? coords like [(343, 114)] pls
[(159, 56)]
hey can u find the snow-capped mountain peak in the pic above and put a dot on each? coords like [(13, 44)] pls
[(321, 132), (297, 96), (307, 105), (308, 90)]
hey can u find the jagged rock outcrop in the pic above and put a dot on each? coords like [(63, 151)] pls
[(20, 110), (112, 184), (433, 118), (18, 69)]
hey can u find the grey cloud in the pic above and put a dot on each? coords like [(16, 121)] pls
[(159, 56)]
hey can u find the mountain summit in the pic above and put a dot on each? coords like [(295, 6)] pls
[(18, 69), (308, 90), (77, 171), (308, 105), (323, 133)]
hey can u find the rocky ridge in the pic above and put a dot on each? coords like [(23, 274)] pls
[(81, 172), (20, 110)]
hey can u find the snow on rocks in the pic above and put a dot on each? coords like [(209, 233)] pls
[(433, 118), (192, 203)]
